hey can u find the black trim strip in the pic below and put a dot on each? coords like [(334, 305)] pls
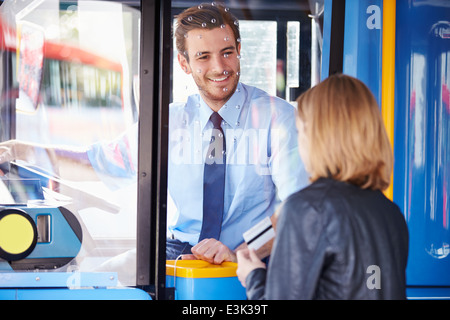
[(337, 37), (155, 63)]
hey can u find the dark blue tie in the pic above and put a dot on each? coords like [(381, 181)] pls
[(214, 182)]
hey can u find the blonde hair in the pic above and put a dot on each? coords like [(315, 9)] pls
[(346, 134)]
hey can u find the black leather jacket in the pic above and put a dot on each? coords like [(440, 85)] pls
[(335, 241)]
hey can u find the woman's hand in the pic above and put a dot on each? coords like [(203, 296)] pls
[(247, 262)]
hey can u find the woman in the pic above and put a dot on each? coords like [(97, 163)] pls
[(339, 238)]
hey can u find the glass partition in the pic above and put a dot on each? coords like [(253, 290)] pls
[(69, 70), (271, 65)]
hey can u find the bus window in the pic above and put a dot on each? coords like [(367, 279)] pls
[(29, 68), (77, 122), (259, 54)]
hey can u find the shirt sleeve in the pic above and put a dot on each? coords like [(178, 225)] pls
[(115, 162), (288, 170)]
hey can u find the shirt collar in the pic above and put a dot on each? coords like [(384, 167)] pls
[(230, 111)]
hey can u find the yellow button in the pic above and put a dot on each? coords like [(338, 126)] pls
[(16, 234)]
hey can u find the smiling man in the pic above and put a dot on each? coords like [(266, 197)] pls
[(212, 59), (233, 152)]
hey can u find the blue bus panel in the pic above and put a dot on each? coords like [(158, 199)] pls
[(422, 137)]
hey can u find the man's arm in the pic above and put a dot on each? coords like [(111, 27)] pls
[(62, 158)]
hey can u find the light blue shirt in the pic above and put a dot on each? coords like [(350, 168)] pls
[(115, 162), (263, 165)]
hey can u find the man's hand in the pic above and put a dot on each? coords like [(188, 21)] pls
[(212, 251), (17, 150), (7, 151)]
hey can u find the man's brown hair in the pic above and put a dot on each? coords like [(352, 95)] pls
[(204, 16)]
